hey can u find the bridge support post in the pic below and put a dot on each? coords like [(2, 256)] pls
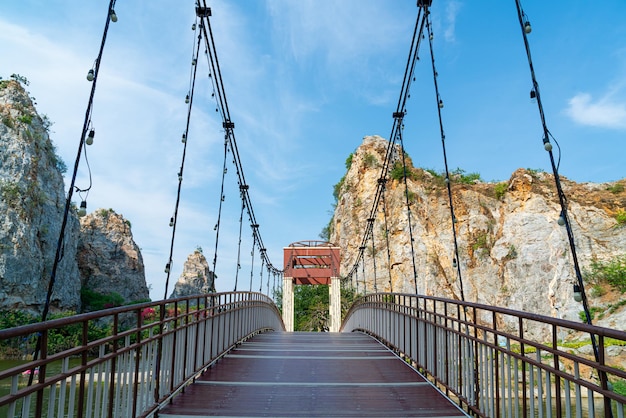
[(334, 291), (288, 303)]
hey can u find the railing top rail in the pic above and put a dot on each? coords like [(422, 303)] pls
[(89, 316), (578, 326)]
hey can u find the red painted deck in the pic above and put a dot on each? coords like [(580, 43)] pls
[(311, 374)]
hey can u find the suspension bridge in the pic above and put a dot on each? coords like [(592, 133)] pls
[(235, 353)]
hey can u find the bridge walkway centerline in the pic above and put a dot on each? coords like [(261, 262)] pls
[(302, 374)]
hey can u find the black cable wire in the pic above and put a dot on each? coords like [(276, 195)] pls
[(456, 261), (243, 206), (222, 105), (68, 201), (252, 264), (189, 99), (397, 126), (219, 210), (526, 28), (387, 235)]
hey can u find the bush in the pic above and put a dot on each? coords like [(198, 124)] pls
[(349, 161), (616, 188), (461, 177), (398, 172), (370, 160), (612, 272), (620, 217), (500, 190), (95, 301)]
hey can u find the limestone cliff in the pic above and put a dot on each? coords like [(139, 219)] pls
[(196, 278), (512, 251), (32, 202), (31, 209), (109, 260)]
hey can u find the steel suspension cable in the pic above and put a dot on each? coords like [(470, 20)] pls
[(204, 12), (364, 279), (408, 209), (397, 123), (456, 263), (261, 274), (252, 264), (564, 218), (243, 206), (185, 137), (386, 233), (219, 210), (374, 261)]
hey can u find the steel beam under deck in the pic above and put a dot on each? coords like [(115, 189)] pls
[(311, 374)]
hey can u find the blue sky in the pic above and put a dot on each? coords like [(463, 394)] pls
[(305, 81)]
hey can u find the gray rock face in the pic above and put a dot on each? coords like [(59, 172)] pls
[(32, 202), (196, 278), (31, 210), (109, 260), (512, 251)]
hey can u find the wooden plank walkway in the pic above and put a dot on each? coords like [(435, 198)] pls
[(311, 374)]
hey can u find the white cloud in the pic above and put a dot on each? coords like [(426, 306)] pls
[(603, 112), (453, 8)]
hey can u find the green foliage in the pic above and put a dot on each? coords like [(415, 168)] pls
[(327, 230), (11, 193), (613, 307), (337, 188), (11, 318), (512, 254), (95, 301), (26, 118), (592, 312), (460, 176), (311, 308), (7, 121), (612, 272), (349, 161), (370, 160), (619, 386), (597, 290), (398, 172), (20, 79), (616, 188), (103, 213), (534, 171), (480, 241), (500, 190), (620, 217)]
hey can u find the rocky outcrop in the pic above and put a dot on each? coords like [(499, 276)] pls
[(32, 202), (512, 250), (196, 278), (109, 260)]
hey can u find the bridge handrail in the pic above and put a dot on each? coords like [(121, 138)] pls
[(492, 359), (150, 351)]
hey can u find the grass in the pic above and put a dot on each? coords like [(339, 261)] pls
[(620, 217)]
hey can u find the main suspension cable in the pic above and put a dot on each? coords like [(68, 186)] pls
[(455, 261), (397, 126), (185, 137), (204, 13)]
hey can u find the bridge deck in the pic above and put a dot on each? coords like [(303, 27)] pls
[(311, 374)]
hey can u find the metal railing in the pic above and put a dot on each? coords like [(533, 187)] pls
[(148, 353), (486, 359)]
